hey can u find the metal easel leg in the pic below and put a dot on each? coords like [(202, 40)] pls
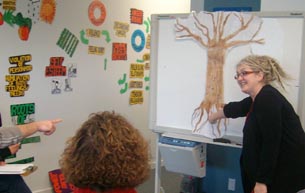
[(158, 166)]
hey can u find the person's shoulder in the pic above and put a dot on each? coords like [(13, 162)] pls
[(268, 87), (83, 190), (268, 96), (268, 90)]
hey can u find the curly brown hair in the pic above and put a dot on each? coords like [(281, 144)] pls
[(106, 152)]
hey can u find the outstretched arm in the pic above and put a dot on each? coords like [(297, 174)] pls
[(47, 127), (13, 135)]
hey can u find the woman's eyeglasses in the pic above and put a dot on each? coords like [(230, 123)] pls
[(243, 74)]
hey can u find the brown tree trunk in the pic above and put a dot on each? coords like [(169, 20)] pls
[(214, 78), (214, 96)]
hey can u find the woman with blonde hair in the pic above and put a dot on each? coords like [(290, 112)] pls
[(273, 152), (106, 155)]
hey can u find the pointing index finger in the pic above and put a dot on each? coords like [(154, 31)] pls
[(55, 121)]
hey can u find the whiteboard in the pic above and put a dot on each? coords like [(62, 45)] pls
[(178, 71)]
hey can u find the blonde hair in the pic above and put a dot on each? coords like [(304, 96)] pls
[(106, 152), (269, 66)]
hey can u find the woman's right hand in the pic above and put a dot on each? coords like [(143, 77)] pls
[(214, 116)]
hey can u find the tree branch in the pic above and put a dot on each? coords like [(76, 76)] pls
[(181, 28), (243, 27), (243, 42)]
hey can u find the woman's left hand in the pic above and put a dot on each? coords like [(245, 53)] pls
[(14, 148)]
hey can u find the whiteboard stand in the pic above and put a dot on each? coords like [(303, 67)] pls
[(158, 166), (196, 138)]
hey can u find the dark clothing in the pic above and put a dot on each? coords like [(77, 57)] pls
[(5, 152), (13, 184), (273, 142)]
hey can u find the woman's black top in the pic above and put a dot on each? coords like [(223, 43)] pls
[(273, 150)]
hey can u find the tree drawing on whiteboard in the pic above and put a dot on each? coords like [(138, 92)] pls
[(217, 32)]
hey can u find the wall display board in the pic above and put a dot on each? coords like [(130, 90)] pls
[(183, 54)]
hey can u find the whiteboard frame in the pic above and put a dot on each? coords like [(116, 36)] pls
[(187, 134)]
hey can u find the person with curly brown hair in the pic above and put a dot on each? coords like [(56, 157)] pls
[(106, 155)]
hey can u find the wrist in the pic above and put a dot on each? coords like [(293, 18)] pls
[(28, 129)]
